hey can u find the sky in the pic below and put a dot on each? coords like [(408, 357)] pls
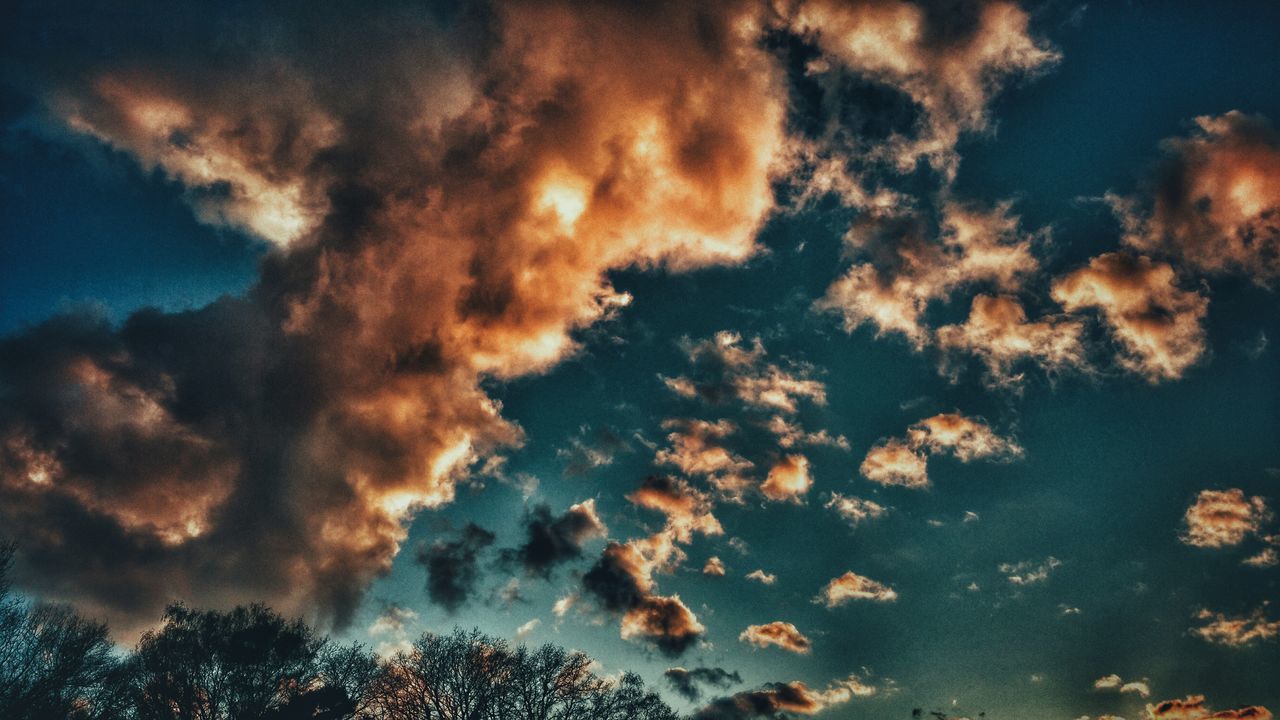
[(828, 358)]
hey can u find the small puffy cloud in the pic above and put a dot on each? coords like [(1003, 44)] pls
[(1029, 572), (686, 682), (903, 461), (855, 510), (1222, 518), (552, 540), (1114, 682), (665, 621), (526, 629), (714, 567), (1264, 558), (589, 450), (965, 438), (725, 367), (452, 566), (894, 462), (776, 700), (1215, 202), (697, 448), (1158, 326), (852, 586), (1238, 631), (911, 271), (788, 479), (391, 629), (1195, 707), (790, 435), (779, 633), (688, 510), (998, 333), (762, 577)]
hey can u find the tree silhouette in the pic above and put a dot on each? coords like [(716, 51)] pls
[(53, 664), (206, 665), (249, 663)]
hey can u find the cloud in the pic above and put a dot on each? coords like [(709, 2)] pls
[(855, 510), (622, 582), (1214, 202), (852, 586), (686, 682), (451, 565), (391, 627), (906, 270), (552, 540), (1239, 631), (697, 449), (949, 60), (688, 510), (526, 629), (1114, 682), (790, 435), (590, 450), (726, 368), (714, 567), (762, 577), (903, 461), (1222, 518), (782, 634), (894, 462), (998, 333), (1159, 326), (447, 205), (788, 479), (777, 700), (1029, 572), (1194, 707), (665, 621)]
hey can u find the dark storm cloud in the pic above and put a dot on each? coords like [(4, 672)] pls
[(687, 681), (452, 566), (443, 199), (552, 540)]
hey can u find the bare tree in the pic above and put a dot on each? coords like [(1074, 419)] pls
[(207, 665), (551, 683), (52, 662), (460, 676)]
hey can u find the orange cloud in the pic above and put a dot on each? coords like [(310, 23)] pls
[(788, 479), (792, 697), (778, 633), (975, 245), (727, 368), (998, 333), (1194, 707), (1236, 631), (435, 228), (952, 82), (903, 461), (1220, 518), (852, 586), (687, 509), (665, 621), (1215, 204), (1158, 325)]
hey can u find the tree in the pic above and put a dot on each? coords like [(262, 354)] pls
[(460, 676), (208, 665), (53, 663), (551, 683)]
